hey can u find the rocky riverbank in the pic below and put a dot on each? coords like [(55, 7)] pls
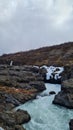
[(18, 84), (65, 96)]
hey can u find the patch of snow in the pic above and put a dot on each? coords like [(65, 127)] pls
[(35, 66), (44, 66)]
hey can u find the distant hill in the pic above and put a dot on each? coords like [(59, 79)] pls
[(54, 55)]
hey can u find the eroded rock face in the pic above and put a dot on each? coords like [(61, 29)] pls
[(18, 84), (18, 76)]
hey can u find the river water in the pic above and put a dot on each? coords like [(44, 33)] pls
[(44, 114)]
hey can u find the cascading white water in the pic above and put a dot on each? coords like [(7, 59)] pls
[(44, 114)]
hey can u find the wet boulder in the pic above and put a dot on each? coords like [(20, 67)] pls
[(52, 92), (22, 116), (65, 96), (10, 119)]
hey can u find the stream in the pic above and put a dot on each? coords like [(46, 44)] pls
[(44, 114)]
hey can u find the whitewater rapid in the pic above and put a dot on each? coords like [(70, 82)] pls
[(44, 114)]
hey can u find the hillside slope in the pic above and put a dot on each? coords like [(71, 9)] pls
[(55, 55)]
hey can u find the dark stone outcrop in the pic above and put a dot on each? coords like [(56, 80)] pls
[(71, 124), (65, 96), (63, 99)]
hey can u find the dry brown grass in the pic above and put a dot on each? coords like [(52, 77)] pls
[(12, 90), (55, 55)]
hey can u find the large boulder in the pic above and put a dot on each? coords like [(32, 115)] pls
[(63, 99), (22, 116), (65, 96), (13, 119)]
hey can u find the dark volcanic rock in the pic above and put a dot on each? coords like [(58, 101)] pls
[(65, 96), (71, 124), (53, 81), (22, 116), (52, 92), (63, 99), (13, 119)]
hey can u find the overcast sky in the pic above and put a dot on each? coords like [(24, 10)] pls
[(29, 24)]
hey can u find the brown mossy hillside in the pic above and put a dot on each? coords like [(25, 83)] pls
[(55, 55)]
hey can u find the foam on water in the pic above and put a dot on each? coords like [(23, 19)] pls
[(45, 115)]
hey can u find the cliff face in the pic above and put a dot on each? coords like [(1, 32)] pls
[(54, 55)]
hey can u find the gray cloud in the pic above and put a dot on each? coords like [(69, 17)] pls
[(32, 24)]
